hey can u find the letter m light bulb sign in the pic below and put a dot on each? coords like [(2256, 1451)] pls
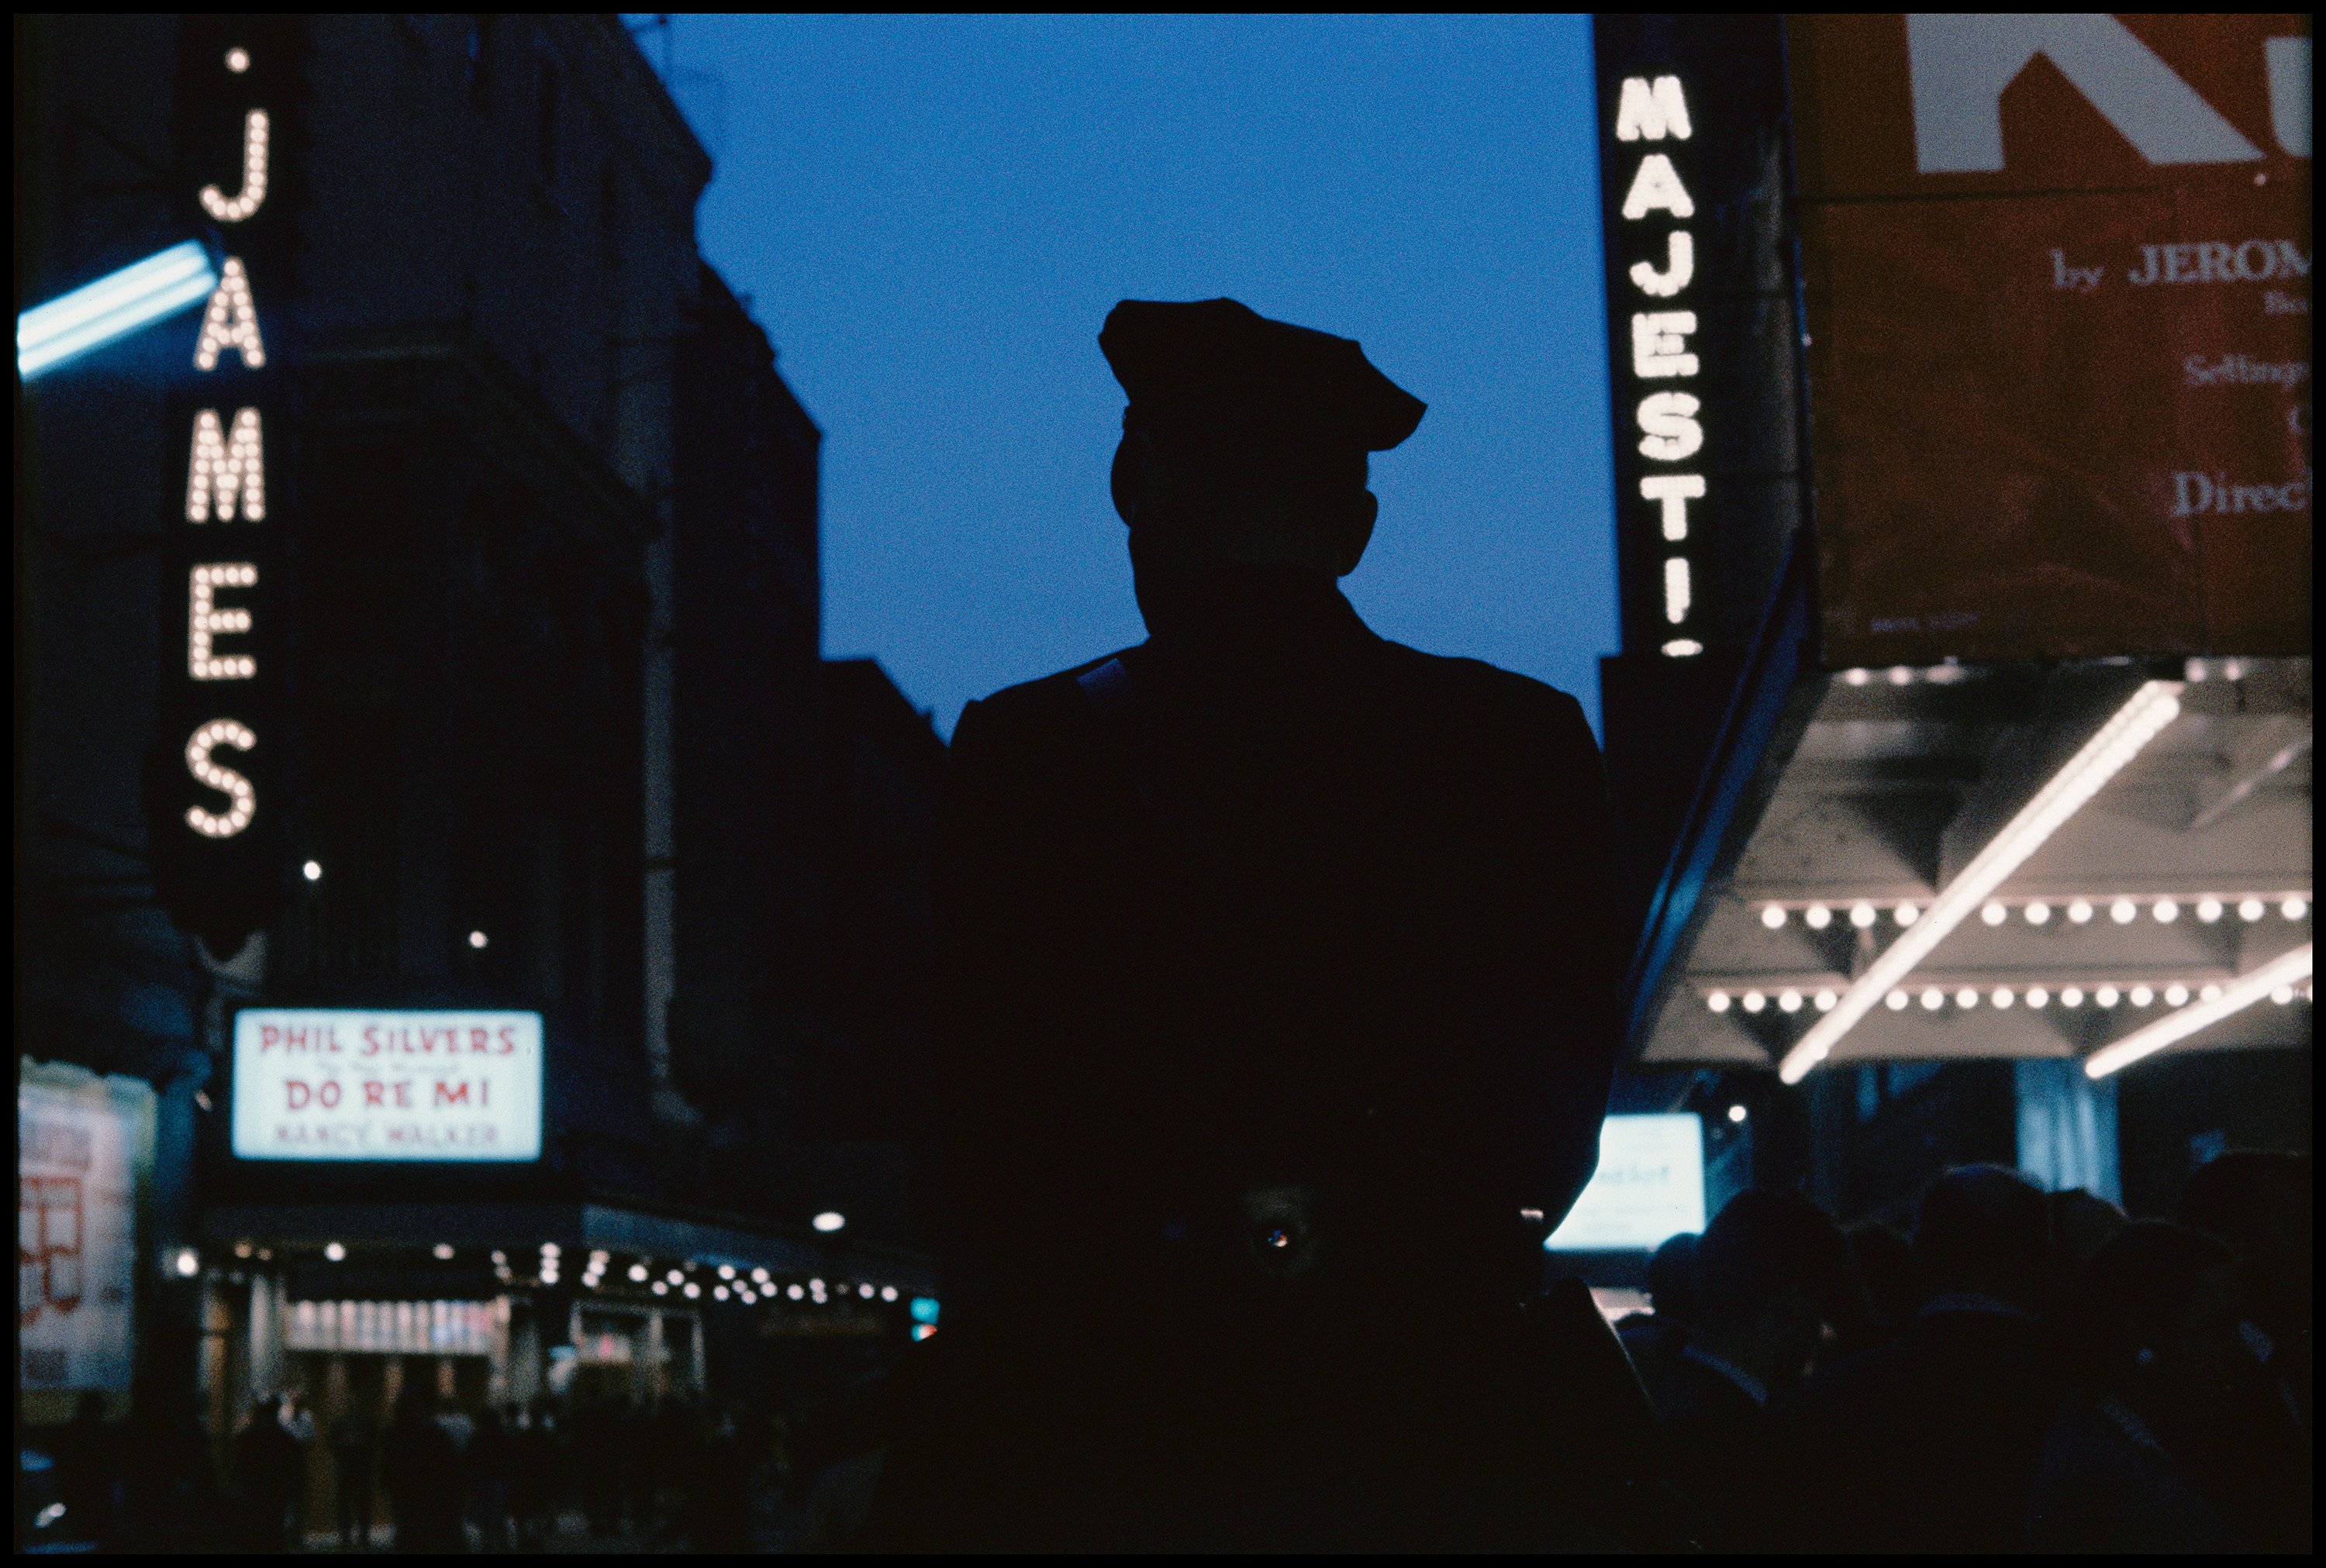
[(218, 813)]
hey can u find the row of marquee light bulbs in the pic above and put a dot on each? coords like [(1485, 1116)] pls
[(1865, 913), (693, 1281), (1949, 673)]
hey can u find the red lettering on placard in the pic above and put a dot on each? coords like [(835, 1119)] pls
[(327, 1094), (508, 1039), (451, 1094), (477, 1039), (374, 1092), (371, 1040), (269, 1037), (296, 1094), (404, 1094)]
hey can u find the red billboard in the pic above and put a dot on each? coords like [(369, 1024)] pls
[(2057, 278)]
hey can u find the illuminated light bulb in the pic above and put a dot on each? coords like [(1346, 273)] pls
[(1905, 914), (237, 60), (2079, 912), (1773, 916), (241, 794), (718, 1293), (252, 195), (865, 1291), (1677, 596), (2002, 997), (230, 321), (2038, 913), (2037, 998), (242, 1249), (334, 1251), (2106, 995), (2251, 909), (2073, 997), (2166, 912), (829, 1221), (499, 1258), (1897, 1000), (795, 1292), (443, 1251), (675, 1275), (1861, 914), (660, 1288), (726, 1271), (2282, 996), (2295, 908), (1736, 1113), (1790, 1001), (1933, 998), (638, 1274), (477, 939), (2176, 996), (599, 1257), (1857, 677), (743, 1293), (551, 1249), (1826, 999), (816, 1285), (759, 1276), (887, 1292), (2141, 995), (2123, 911), (1682, 648), (1818, 917), (2212, 992), (693, 1290), (1717, 1001), (1900, 676), (2233, 669), (313, 870), (1994, 913), (2209, 910), (1754, 1001), (1967, 997)]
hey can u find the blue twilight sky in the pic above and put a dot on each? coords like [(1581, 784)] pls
[(933, 216)]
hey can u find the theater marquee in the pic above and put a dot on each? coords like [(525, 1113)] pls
[(342, 1083)]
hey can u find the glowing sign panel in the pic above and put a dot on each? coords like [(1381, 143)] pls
[(1649, 1186), (313, 1084)]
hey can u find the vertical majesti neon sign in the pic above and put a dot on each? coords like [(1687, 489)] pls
[(1667, 418)]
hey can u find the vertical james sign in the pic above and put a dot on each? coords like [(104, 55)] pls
[(2056, 271)]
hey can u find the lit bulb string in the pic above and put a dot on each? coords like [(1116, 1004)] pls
[(1961, 993), (2126, 732), (2250, 906)]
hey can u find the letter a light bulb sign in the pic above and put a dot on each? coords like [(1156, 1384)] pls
[(216, 815)]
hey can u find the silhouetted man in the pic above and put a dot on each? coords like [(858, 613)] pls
[(1929, 1444), (1277, 981), (1772, 1274)]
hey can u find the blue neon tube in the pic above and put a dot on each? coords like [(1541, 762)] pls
[(113, 307)]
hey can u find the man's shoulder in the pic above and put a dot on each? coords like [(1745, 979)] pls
[(1487, 689), (1028, 710)]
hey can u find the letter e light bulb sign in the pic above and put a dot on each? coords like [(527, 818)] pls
[(344, 1084)]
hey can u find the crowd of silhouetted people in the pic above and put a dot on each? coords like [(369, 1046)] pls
[(434, 1477), (2027, 1372)]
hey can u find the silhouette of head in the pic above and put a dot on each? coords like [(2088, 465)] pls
[(1774, 1271), (1986, 1230), (2153, 1318), (1245, 442), (2259, 1203), (1672, 1288)]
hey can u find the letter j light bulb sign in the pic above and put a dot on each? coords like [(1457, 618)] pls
[(336, 1084)]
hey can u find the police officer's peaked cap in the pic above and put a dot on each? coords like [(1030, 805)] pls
[(1218, 357)]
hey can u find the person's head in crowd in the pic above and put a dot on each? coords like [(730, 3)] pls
[(1890, 1272), (2259, 1205), (2152, 1320), (1672, 1288), (1986, 1231), (2081, 1224), (1774, 1272)]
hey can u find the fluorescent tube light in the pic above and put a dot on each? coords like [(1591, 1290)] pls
[(2119, 740), (2282, 971), (114, 306)]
